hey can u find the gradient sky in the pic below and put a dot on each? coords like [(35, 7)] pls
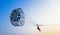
[(41, 11)]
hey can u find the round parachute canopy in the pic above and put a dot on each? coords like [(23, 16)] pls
[(17, 17)]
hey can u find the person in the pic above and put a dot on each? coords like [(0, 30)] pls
[(38, 27)]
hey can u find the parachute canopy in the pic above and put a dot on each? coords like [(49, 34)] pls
[(17, 17)]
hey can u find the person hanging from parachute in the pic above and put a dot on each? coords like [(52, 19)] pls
[(38, 28)]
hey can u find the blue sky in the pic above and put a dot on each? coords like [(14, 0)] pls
[(41, 11), (6, 6)]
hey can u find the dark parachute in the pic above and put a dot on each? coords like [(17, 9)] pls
[(17, 17)]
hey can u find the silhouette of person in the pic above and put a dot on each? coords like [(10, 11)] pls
[(38, 27)]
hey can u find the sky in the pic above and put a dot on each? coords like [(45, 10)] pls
[(45, 12)]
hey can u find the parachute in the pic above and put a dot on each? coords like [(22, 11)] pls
[(17, 17)]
